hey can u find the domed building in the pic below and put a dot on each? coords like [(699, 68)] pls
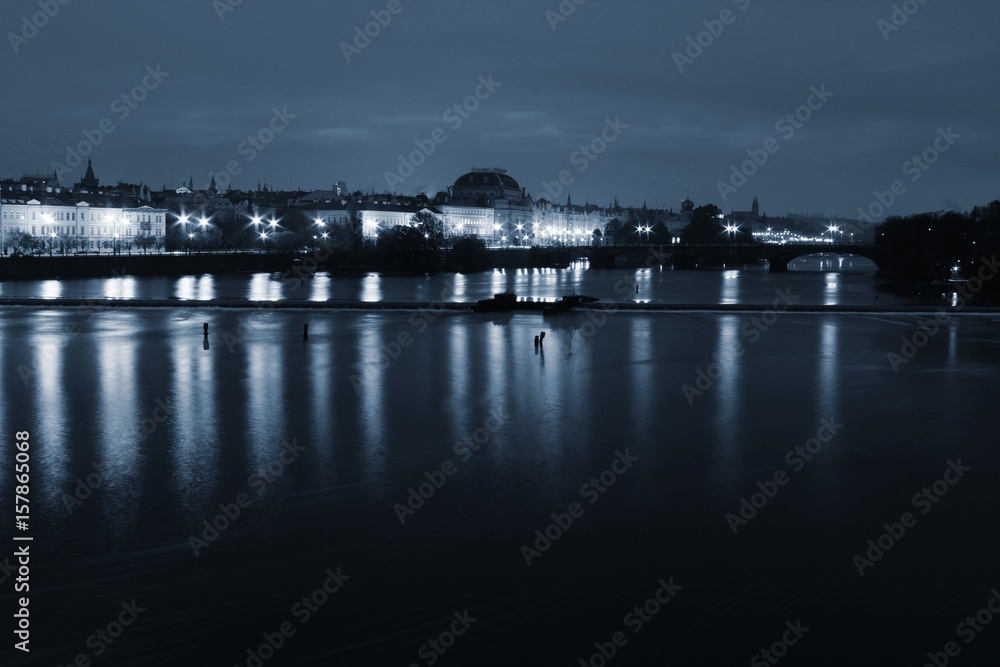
[(487, 203), (484, 186)]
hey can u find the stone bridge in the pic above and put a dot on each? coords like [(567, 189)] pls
[(684, 256)]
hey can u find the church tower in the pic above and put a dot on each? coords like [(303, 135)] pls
[(89, 180)]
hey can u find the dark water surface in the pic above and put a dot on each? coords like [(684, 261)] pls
[(176, 429)]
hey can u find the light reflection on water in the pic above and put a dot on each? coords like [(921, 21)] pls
[(371, 288), (263, 287), (726, 367), (194, 419), (585, 392), (120, 448), (50, 289), (123, 287)]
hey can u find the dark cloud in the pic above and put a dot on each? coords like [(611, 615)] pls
[(557, 89)]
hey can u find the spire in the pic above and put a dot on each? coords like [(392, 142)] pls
[(191, 183), (755, 208), (211, 186), (569, 200), (89, 179)]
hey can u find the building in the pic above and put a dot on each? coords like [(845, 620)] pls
[(37, 214)]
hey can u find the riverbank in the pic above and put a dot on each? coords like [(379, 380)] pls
[(99, 304)]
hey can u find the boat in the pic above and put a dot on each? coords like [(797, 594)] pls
[(567, 303), (501, 301), (508, 301)]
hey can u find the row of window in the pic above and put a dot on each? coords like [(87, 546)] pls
[(70, 216), (46, 230)]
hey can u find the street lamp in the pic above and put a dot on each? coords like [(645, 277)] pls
[(832, 229)]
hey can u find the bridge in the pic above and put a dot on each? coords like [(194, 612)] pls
[(683, 256)]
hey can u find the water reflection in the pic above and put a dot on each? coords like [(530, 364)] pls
[(50, 289), (321, 288), (123, 287), (321, 364), (195, 414), (730, 288), (263, 287), (50, 398), (368, 382), (828, 372), (194, 288), (371, 288), (831, 295), (640, 350), (118, 423), (265, 380), (459, 287), (727, 363)]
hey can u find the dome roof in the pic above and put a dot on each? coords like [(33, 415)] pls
[(487, 178)]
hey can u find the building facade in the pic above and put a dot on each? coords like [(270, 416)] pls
[(38, 214)]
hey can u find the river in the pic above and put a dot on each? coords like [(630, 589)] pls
[(406, 459)]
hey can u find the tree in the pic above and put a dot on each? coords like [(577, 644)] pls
[(469, 253), (616, 233), (431, 227), (704, 227), (143, 242), (20, 243)]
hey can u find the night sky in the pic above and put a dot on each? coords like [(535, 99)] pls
[(559, 80)]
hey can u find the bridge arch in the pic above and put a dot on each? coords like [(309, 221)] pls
[(779, 256)]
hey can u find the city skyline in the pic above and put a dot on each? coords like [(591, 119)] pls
[(601, 102)]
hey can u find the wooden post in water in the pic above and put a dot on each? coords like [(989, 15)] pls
[(305, 331), (206, 328)]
